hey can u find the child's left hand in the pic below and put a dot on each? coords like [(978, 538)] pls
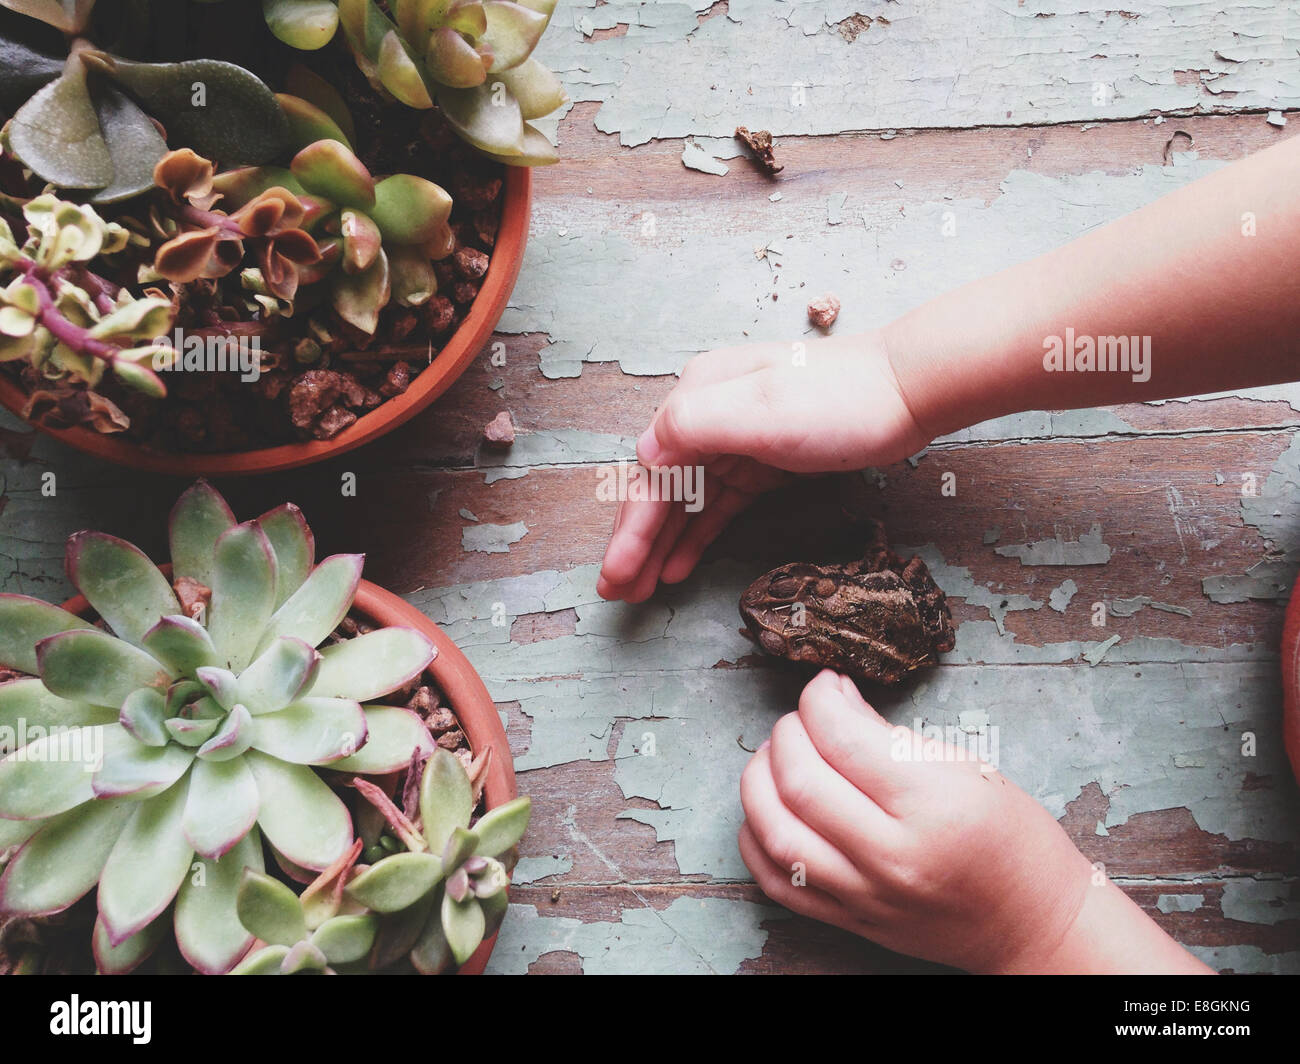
[(938, 857)]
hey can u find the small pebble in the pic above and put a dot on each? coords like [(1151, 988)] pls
[(500, 431), (823, 311)]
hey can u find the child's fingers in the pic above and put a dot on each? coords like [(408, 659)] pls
[(722, 364), (643, 585), (734, 416), (778, 885), (792, 844), (853, 738), (823, 799), (704, 528), (636, 530)]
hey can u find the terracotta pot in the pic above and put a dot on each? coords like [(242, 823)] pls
[(459, 351), (1291, 681), (464, 689)]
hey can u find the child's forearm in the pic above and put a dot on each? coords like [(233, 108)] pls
[(1221, 308), (1110, 936)]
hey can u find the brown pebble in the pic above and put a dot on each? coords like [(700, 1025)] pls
[(500, 431), (823, 311)]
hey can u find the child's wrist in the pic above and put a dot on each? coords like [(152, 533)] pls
[(1106, 935)]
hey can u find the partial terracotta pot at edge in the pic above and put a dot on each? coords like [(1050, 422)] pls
[(454, 358), (1291, 681), (464, 689)]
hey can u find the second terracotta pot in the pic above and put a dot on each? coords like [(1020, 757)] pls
[(454, 358)]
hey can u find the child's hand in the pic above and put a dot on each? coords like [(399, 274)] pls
[(940, 859), (750, 416)]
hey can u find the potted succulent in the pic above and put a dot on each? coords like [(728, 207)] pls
[(192, 743), (238, 236)]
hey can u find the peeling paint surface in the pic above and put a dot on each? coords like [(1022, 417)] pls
[(631, 725)]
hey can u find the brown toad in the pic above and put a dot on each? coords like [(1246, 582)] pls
[(876, 619)]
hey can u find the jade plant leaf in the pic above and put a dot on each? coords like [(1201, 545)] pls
[(180, 643), (24, 622), (270, 910), (501, 828), (454, 61), (294, 547), (146, 866), (232, 739), (359, 297), (314, 731), (512, 33), (309, 86), (87, 665), (278, 675), (130, 769), (411, 276), (409, 209), (62, 861), (243, 593), (431, 953), (346, 939), (361, 241), (446, 799), (319, 604), (120, 582), (208, 930), (371, 665), (329, 169), (489, 120), (300, 815), (40, 780), (27, 699), (197, 520), (128, 954), (309, 123), (143, 714), (24, 67), (536, 150), (396, 882), (463, 923), (392, 733), (222, 806), (399, 70), (219, 109), (266, 961), (134, 145), (538, 91), (56, 133), (302, 24), (303, 957)]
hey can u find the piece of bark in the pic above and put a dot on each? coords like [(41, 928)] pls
[(760, 143)]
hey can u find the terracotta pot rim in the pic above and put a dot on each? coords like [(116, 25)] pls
[(460, 350), (459, 681)]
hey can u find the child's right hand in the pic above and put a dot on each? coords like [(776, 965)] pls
[(750, 416)]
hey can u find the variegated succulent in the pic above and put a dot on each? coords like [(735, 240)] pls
[(159, 747), (58, 317), (474, 58)]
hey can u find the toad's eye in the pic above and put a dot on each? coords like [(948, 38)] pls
[(785, 587)]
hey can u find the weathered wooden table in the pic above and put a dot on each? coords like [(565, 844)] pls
[(984, 133)]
